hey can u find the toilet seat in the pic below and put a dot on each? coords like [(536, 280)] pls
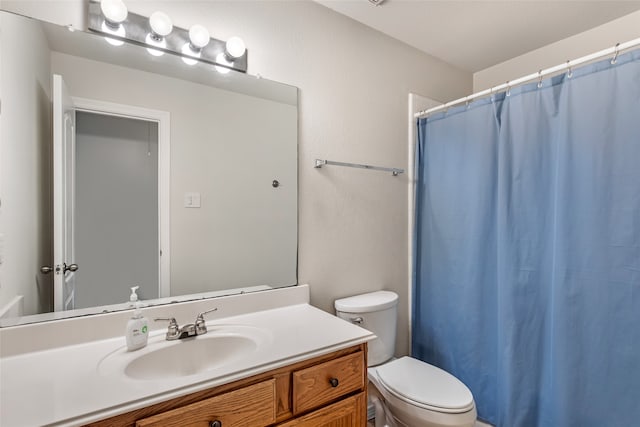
[(405, 378)]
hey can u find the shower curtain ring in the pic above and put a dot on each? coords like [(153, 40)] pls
[(615, 55), (539, 78), (570, 71), (508, 93)]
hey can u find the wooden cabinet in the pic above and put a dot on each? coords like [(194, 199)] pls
[(325, 391)]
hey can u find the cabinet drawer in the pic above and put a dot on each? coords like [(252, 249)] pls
[(250, 406), (322, 383), (349, 412)]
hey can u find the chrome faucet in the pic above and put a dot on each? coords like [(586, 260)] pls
[(175, 332)]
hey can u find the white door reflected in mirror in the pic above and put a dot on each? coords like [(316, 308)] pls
[(64, 118)]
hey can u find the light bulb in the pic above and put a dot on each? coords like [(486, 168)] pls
[(150, 40), (160, 24), (114, 11), (119, 31), (188, 51), (199, 36), (235, 47), (222, 59)]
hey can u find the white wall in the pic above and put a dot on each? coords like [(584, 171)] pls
[(25, 195), (601, 37), (354, 83)]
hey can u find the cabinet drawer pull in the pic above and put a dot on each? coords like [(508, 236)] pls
[(216, 423), (334, 382)]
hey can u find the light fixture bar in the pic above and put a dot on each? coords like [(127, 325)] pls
[(137, 28)]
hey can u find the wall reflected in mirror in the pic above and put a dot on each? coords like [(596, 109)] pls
[(170, 176)]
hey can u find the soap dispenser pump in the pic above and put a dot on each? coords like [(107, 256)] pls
[(133, 297), (137, 331)]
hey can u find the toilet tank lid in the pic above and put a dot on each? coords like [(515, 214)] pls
[(372, 301)]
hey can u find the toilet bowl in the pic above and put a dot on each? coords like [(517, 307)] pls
[(412, 393), (420, 395)]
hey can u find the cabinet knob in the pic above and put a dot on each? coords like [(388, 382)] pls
[(334, 382), (216, 423)]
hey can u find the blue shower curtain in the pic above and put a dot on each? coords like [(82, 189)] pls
[(527, 272)]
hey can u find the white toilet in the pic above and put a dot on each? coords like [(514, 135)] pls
[(414, 393)]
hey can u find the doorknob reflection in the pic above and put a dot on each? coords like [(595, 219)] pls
[(45, 269), (71, 267)]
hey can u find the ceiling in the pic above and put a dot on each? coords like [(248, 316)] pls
[(476, 34)]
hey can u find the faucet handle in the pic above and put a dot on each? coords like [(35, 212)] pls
[(173, 330), (201, 327)]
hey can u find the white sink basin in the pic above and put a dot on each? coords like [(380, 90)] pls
[(162, 360)]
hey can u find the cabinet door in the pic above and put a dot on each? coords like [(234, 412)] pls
[(350, 412), (320, 384), (251, 406)]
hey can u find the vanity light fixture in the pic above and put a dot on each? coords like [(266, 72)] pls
[(158, 35), (161, 27), (114, 12), (198, 39)]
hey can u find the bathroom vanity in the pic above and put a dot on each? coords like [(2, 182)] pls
[(268, 358), (328, 390)]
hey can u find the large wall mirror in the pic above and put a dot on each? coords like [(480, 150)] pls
[(137, 170)]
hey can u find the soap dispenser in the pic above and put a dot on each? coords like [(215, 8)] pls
[(137, 331), (133, 297)]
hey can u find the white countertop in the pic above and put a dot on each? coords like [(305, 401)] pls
[(63, 386)]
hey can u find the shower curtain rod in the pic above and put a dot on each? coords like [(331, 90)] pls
[(539, 75)]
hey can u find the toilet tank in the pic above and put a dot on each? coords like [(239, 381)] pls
[(376, 312)]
